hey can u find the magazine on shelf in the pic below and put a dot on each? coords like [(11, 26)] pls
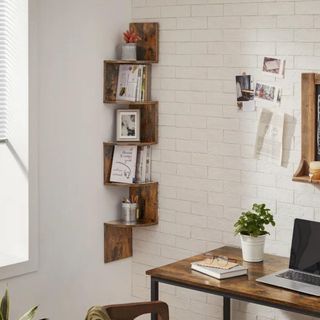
[(127, 82), (124, 164), (132, 83)]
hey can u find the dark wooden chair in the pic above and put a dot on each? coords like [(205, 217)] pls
[(130, 311)]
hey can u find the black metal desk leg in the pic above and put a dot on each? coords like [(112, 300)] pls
[(154, 295), (226, 308)]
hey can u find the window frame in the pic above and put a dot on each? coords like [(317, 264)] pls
[(32, 264)]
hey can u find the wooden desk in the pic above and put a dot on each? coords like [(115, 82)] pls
[(243, 288)]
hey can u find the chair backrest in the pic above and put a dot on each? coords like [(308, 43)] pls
[(133, 310)]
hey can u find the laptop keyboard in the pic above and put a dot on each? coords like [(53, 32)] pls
[(300, 277)]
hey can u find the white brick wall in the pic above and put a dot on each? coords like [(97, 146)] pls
[(204, 161)]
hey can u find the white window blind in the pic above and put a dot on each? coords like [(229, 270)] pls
[(4, 33), (13, 69)]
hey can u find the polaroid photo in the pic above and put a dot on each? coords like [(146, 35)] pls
[(267, 92), (274, 66), (245, 95)]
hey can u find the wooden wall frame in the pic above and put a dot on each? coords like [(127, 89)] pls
[(309, 81)]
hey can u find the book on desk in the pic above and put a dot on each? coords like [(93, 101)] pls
[(219, 273)]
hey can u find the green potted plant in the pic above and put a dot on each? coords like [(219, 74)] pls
[(5, 308), (251, 227)]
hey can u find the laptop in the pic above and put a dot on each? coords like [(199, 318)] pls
[(303, 274)]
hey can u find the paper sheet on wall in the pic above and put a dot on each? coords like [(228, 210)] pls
[(269, 139)]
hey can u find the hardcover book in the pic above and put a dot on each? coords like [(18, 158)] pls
[(124, 164), (220, 273)]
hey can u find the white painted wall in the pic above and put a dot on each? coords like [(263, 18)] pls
[(69, 41), (204, 159)]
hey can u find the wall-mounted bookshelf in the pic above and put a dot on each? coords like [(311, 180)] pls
[(118, 234), (310, 149)]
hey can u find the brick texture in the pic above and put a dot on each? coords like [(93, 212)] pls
[(204, 161)]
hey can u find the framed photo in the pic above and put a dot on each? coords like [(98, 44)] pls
[(274, 66), (267, 92), (128, 125)]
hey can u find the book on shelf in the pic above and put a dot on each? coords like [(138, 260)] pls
[(132, 83), (219, 273), (143, 170), (124, 161), (148, 164)]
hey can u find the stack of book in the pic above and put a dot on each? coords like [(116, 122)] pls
[(143, 167), (131, 164), (219, 273), (132, 83)]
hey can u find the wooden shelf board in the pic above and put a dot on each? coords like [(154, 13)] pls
[(305, 179), (124, 102), (131, 185), (129, 143), (138, 224), (128, 61)]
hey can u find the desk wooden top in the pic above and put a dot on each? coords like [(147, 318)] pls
[(243, 287)]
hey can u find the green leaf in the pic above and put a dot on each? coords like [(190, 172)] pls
[(253, 222), (30, 314), (4, 307)]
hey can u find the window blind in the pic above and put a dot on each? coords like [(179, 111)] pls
[(4, 33), (13, 65)]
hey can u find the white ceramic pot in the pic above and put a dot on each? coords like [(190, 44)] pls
[(129, 51), (252, 248)]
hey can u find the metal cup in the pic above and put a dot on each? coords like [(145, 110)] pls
[(128, 212)]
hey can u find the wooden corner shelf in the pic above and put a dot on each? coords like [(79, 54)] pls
[(115, 61), (309, 83), (131, 185), (132, 103), (118, 238), (108, 149), (305, 179), (149, 115), (111, 72), (131, 143), (139, 223), (118, 234)]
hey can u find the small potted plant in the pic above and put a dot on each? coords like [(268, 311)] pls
[(129, 48), (251, 227)]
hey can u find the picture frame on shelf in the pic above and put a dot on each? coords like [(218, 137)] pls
[(128, 125)]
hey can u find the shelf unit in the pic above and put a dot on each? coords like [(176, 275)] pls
[(118, 234), (309, 81)]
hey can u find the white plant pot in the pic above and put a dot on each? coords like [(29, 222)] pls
[(252, 248), (129, 51)]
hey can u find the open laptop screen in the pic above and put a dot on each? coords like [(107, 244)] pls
[(305, 248)]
